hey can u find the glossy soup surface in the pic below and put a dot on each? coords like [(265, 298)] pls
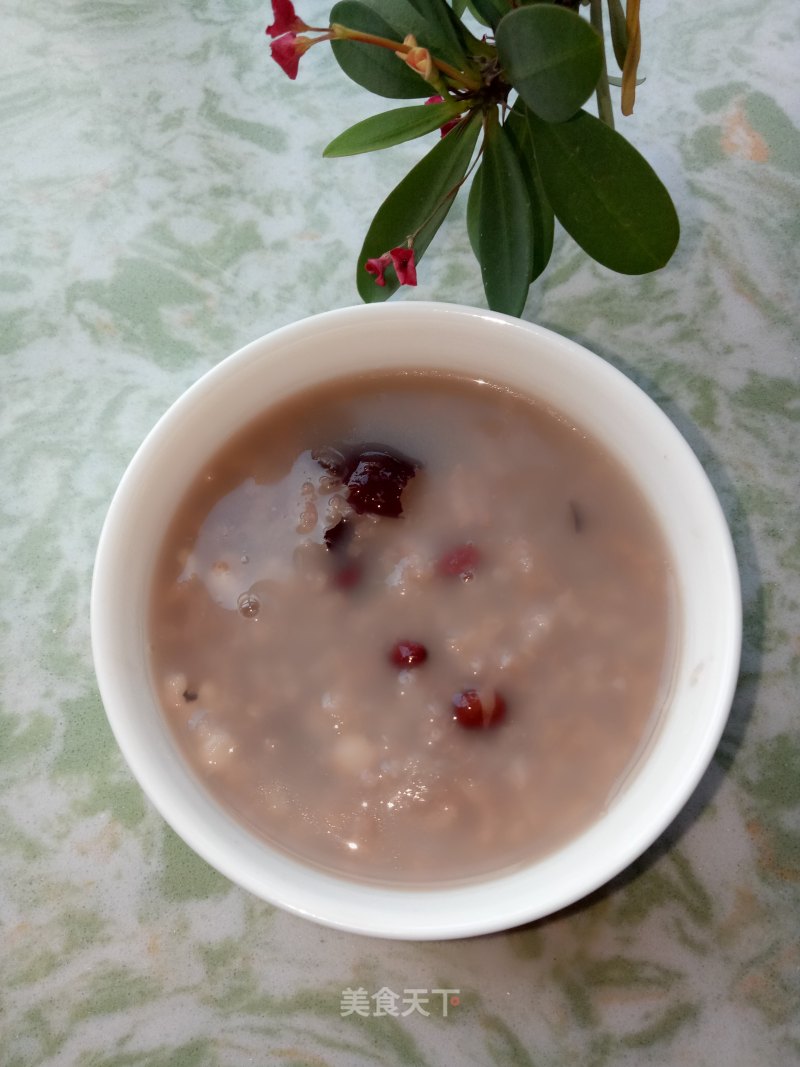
[(423, 697)]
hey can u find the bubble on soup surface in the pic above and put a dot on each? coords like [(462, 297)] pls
[(331, 460), (249, 605), (308, 517)]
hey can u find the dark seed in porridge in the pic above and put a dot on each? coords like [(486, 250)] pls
[(576, 516), (460, 562), (477, 711), (408, 654), (317, 721)]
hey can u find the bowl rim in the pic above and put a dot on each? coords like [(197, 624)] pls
[(488, 904)]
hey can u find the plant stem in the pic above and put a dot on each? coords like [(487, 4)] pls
[(344, 33), (604, 108), (632, 56)]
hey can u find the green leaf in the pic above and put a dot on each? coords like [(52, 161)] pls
[(503, 238), (419, 204), (447, 38), (430, 21), (376, 69), (489, 12), (605, 194), (619, 31), (473, 212), (541, 213), (541, 218), (552, 57), (390, 128)]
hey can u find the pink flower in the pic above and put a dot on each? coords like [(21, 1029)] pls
[(377, 266), (286, 19), (404, 267), (286, 52), (446, 127), (402, 259)]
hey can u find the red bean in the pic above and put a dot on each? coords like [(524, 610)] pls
[(460, 562), (408, 654), (478, 710)]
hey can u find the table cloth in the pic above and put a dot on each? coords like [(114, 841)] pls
[(164, 201)]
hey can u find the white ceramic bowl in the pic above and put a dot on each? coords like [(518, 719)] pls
[(478, 344)]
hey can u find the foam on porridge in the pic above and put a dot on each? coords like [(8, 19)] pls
[(525, 566)]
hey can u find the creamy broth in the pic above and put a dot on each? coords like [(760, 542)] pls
[(426, 697)]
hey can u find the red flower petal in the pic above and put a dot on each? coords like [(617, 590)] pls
[(286, 52), (286, 20), (403, 260), (377, 266), (448, 126)]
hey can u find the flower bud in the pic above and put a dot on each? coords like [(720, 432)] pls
[(419, 59)]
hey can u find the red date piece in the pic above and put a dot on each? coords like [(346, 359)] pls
[(374, 475), (376, 483)]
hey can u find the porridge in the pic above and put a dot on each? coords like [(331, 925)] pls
[(412, 628)]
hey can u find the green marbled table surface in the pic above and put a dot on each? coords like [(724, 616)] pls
[(164, 201)]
